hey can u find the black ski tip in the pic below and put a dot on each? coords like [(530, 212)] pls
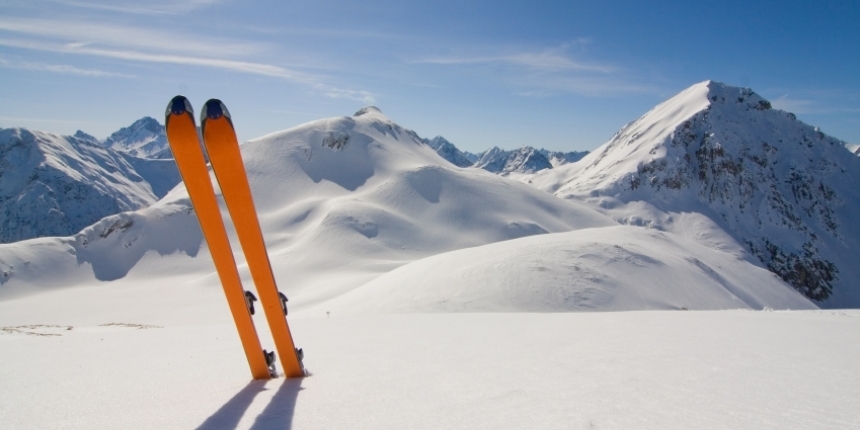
[(178, 106), (214, 109)]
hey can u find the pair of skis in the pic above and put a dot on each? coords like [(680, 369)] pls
[(219, 137)]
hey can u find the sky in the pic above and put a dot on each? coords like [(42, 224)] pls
[(562, 75)]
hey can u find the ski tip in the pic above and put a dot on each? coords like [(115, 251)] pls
[(179, 105), (214, 109)]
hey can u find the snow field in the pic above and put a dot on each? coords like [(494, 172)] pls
[(651, 370)]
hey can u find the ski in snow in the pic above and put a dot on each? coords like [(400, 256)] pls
[(182, 136), (219, 137)]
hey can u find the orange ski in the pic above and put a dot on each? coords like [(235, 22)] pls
[(219, 137), (182, 136)]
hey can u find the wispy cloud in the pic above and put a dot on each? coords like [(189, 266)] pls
[(546, 60), (60, 68), (116, 36), (339, 93), (152, 7), (818, 102), (156, 46), (789, 104), (547, 72), (236, 66)]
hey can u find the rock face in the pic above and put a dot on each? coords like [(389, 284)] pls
[(145, 138), (523, 160), (53, 185), (782, 188)]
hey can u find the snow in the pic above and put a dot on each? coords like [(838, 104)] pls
[(600, 269), (424, 296), (652, 370)]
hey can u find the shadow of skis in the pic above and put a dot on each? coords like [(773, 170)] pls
[(228, 416), (279, 412)]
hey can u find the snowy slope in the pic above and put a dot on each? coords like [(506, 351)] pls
[(145, 138), (53, 185), (780, 187), (853, 148), (607, 269)]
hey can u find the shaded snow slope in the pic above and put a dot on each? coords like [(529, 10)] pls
[(52, 185), (608, 269), (341, 200), (780, 187)]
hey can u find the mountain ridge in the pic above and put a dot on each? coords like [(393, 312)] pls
[(52, 185)]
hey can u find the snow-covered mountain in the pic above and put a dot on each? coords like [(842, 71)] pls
[(854, 148), (341, 201), (345, 200), (52, 185), (522, 160), (145, 138), (783, 189), (525, 160), (450, 152)]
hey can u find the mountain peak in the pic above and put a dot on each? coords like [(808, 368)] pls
[(720, 93), (777, 185), (143, 138), (366, 110)]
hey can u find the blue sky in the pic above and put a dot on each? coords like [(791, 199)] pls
[(563, 75)]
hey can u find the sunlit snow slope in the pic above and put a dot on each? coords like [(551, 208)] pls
[(718, 159), (610, 268), (341, 200)]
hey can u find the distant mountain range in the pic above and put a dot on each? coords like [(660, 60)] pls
[(52, 185), (523, 160)]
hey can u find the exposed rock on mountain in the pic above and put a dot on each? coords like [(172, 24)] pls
[(523, 160), (783, 189)]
